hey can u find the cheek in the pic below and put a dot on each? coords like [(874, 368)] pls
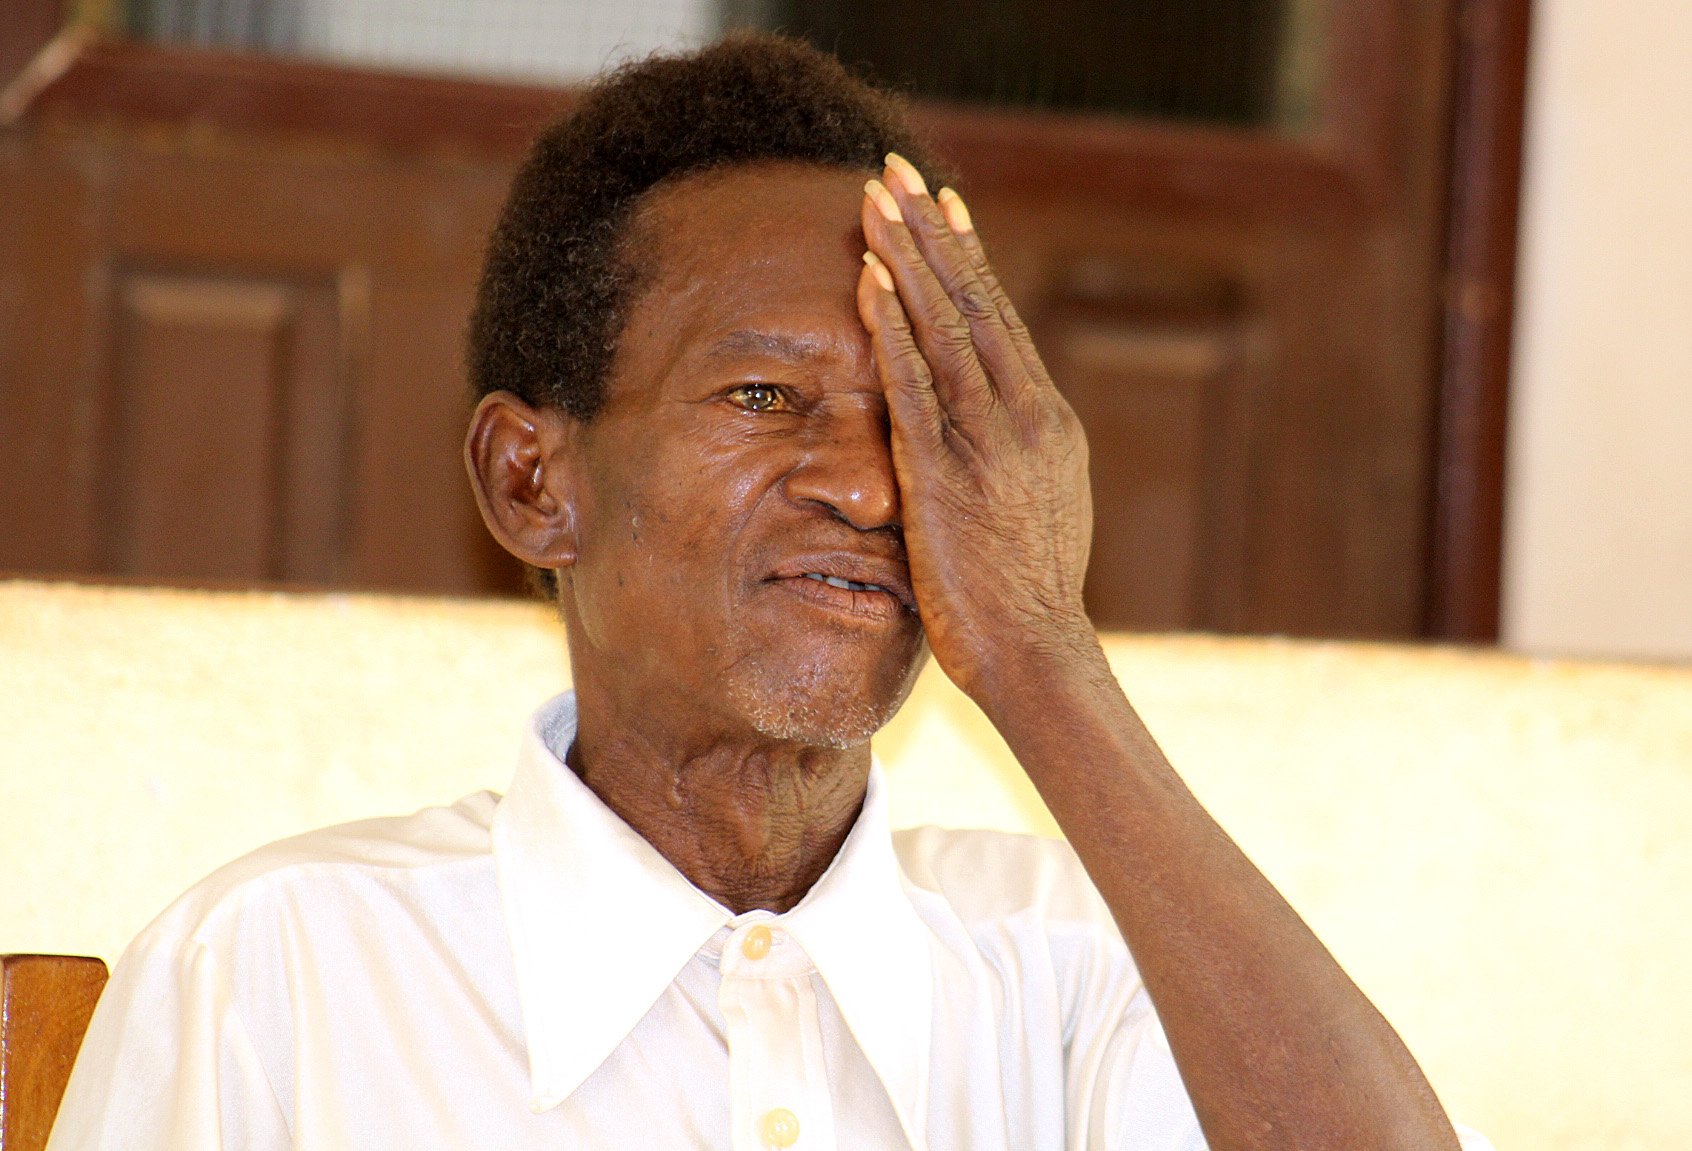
[(703, 493), (658, 549)]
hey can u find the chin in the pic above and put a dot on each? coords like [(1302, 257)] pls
[(821, 705), (801, 722)]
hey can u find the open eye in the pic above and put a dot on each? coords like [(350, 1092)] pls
[(757, 397)]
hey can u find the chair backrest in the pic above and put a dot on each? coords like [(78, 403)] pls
[(45, 1003)]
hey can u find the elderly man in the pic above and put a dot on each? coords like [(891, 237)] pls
[(756, 411)]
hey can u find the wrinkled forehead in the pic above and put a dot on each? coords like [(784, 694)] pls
[(767, 248), (770, 217)]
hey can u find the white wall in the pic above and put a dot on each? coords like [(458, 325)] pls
[(1598, 551)]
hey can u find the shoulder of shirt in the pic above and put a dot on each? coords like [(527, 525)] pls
[(994, 875), (431, 838)]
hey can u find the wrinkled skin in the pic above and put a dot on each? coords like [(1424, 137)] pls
[(744, 440), (779, 405), (725, 699), (991, 460)]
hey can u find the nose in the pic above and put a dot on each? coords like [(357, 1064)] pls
[(847, 467)]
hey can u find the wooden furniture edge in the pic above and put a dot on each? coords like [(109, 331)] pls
[(1489, 110), (45, 1004)]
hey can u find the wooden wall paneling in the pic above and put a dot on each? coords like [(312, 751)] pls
[(282, 97), (1130, 169), (1361, 102), (416, 527), (1154, 328), (1315, 491), (400, 242), (50, 188), (1310, 519), (233, 213), (414, 523), (1328, 530), (1410, 259), (227, 417), (1291, 530), (331, 333), (1353, 314), (1121, 163), (196, 387)]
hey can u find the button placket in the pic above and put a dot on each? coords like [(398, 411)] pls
[(779, 1093)]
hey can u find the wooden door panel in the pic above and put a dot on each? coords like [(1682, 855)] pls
[(414, 524), (49, 394), (197, 397), (225, 432), (1150, 357), (266, 343), (1148, 426)]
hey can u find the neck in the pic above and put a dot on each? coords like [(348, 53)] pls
[(752, 822)]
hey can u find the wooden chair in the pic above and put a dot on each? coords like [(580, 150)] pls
[(45, 1004)]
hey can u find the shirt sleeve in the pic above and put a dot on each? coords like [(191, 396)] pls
[(168, 1063), (1137, 1100), (1133, 1098), (1472, 1140)]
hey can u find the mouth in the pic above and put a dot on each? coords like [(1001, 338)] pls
[(850, 585), (858, 586)]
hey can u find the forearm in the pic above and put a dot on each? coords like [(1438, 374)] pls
[(1276, 1045)]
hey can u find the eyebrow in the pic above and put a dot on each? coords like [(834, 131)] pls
[(749, 341)]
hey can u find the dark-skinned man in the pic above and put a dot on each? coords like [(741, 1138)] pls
[(756, 410)]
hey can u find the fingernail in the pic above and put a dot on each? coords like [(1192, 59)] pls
[(883, 200), (957, 216), (907, 173), (879, 271)]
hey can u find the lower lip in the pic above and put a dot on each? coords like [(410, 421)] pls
[(869, 606)]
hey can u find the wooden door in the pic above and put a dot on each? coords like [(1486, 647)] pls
[(232, 291)]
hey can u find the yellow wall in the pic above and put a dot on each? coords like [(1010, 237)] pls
[(1495, 848)]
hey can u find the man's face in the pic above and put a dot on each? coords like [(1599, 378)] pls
[(740, 472)]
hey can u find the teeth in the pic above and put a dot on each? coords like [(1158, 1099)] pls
[(844, 584)]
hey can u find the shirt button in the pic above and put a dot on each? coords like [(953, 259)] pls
[(780, 1127), (756, 945)]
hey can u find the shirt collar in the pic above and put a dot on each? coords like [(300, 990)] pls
[(568, 866), (860, 928)]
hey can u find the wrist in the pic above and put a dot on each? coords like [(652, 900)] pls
[(1028, 675)]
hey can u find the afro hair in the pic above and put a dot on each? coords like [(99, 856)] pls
[(558, 279)]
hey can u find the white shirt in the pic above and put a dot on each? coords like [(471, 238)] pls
[(527, 972)]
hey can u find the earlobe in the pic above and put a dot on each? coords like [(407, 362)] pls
[(520, 469)]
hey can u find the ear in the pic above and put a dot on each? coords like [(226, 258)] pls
[(519, 462)]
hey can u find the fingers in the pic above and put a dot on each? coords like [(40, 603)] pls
[(913, 405), (963, 229), (936, 276), (947, 258), (958, 313), (960, 376)]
